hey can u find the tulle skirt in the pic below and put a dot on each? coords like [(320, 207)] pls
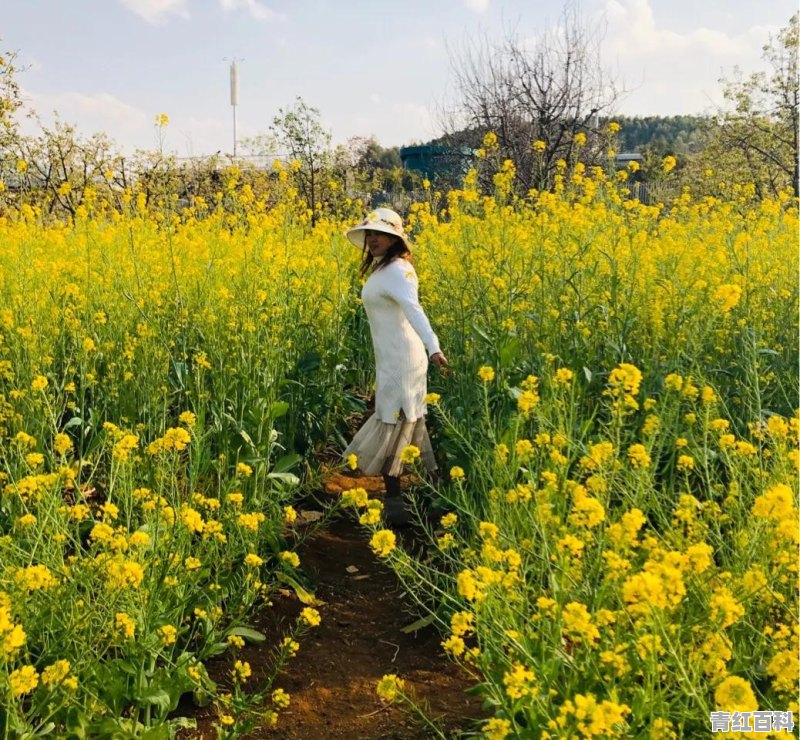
[(377, 445)]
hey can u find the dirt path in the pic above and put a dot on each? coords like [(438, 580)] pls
[(332, 680)]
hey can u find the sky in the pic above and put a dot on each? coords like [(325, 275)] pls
[(376, 68)]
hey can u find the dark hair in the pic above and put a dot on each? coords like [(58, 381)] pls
[(397, 249)]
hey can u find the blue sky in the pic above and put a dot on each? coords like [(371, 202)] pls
[(372, 68)]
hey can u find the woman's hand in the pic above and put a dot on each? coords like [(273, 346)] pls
[(439, 360)]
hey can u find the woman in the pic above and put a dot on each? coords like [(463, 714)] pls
[(403, 340)]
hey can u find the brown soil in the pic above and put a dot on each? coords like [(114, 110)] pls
[(333, 678)]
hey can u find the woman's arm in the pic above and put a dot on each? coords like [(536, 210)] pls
[(401, 286)]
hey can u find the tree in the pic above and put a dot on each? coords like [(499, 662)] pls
[(761, 127), (301, 136), (552, 90), (10, 99)]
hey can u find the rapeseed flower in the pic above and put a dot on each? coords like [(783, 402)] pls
[(23, 680), (383, 542), (735, 693), (310, 616), (389, 687), (410, 454)]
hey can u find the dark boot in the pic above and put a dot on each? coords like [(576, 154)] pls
[(395, 511)]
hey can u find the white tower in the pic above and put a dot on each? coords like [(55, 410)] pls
[(234, 98)]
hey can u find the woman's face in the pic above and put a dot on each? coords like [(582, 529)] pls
[(378, 242)]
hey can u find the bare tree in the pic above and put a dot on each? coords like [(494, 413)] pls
[(549, 90), (761, 124)]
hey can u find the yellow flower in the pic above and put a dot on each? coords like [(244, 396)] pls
[(62, 444), (497, 729), (454, 645), (56, 673), (449, 520), (783, 668), (776, 504), (735, 694), (490, 140), (39, 383), (125, 624), (383, 542), (241, 671), (456, 473), (23, 680), (280, 699), (725, 609), (254, 561), (352, 461), (432, 398), (357, 497), (290, 558), (461, 623), (638, 456), (310, 616), (389, 686), (244, 470), (187, 418), (409, 454), (578, 623), (26, 520), (539, 146), (486, 373), (168, 634), (727, 296), (668, 163), (563, 376)]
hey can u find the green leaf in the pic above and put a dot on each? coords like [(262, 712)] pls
[(286, 462), (306, 597), (587, 373), (75, 722), (418, 625), (159, 732), (249, 634), (158, 697), (482, 334), (216, 648), (278, 409), (288, 477), (508, 351)]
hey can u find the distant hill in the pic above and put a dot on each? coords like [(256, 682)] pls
[(664, 134), (676, 134)]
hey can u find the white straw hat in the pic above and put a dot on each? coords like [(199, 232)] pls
[(381, 219)]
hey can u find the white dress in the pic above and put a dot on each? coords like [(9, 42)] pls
[(402, 339)]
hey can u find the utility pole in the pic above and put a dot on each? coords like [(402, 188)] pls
[(234, 95)]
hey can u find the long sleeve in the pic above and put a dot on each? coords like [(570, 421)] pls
[(402, 288)]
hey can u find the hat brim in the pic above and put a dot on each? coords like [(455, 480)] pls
[(357, 237)]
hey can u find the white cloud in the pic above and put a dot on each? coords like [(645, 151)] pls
[(673, 72), (478, 6), (633, 32), (157, 11), (256, 9), (125, 124), (393, 124)]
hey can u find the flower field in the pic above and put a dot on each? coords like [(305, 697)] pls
[(616, 551)]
